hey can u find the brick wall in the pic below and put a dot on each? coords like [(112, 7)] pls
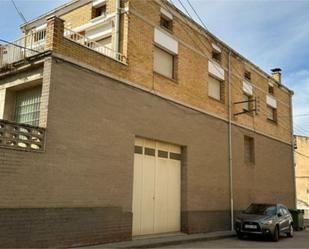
[(87, 168), (192, 68)]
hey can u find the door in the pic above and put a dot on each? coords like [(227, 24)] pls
[(156, 187)]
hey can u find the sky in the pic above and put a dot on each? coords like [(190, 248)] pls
[(270, 33)]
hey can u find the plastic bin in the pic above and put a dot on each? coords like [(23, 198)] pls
[(298, 218)]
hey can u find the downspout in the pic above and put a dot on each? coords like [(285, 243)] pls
[(293, 152), (117, 26), (230, 141)]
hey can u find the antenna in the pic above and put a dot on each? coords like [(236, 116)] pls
[(19, 12)]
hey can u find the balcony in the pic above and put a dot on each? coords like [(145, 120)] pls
[(25, 47), (97, 47), (49, 38), (21, 136)]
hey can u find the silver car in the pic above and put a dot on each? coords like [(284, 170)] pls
[(268, 220)]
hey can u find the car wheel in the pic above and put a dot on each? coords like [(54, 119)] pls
[(291, 231), (275, 236), (240, 235)]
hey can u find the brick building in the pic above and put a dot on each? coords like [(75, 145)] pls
[(302, 173), (126, 118)]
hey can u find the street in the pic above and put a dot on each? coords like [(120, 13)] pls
[(300, 240)]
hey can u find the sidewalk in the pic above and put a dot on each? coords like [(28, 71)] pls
[(171, 239)]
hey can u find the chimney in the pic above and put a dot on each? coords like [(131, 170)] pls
[(276, 74)]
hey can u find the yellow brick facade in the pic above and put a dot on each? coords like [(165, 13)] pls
[(190, 86), (302, 172)]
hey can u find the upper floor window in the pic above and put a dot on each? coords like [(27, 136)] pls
[(99, 11), (39, 35), (248, 104), (216, 55), (271, 89), (27, 106), (271, 113), (247, 75), (215, 88), (166, 22), (164, 63)]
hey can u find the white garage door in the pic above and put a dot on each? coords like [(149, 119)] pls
[(156, 187)]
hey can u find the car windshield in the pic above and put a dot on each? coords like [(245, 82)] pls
[(261, 209)]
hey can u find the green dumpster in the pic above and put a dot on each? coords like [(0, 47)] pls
[(298, 218)]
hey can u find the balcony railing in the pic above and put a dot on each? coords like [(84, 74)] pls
[(34, 43), (27, 46), (84, 41), (21, 136)]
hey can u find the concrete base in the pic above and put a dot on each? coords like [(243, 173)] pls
[(163, 240)]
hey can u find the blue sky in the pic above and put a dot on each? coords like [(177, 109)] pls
[(270, 33)]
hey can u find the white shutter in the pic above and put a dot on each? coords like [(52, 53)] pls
[(214, 88), (163, 63)]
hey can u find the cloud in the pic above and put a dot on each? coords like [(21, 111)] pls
[(300, 81), (270, 34)]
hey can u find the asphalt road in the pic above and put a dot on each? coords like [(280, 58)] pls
[(300, 240)]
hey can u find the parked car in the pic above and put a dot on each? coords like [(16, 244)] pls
[(267, 220)]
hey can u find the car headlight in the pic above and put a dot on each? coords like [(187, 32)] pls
[(267, 222)]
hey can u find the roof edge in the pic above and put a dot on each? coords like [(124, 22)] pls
[(226, 46)]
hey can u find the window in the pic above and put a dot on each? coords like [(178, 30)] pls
[(249, 156), (271, 89), (163, 63), (248, 106), (39, 35), (271, 113), (247, 76), (27, 108), (214, 88), (99, 11), (166, 23), (216, 55)]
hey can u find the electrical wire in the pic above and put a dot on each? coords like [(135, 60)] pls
[(263, 110), (200, 19), (19, 12)]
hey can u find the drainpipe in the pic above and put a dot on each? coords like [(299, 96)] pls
[(230, 142), (117, 26), (293, 152)]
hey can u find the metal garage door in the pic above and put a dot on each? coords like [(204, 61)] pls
[(156, 187)]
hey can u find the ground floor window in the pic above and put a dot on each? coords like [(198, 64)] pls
[(27, 106), (249, 155)]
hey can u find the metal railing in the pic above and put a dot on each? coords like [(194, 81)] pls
[(84, 41), (21, 136), (27, 46)]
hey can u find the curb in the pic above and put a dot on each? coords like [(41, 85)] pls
[(181, 241), (163, 241)]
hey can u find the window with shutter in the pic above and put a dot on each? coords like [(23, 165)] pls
[(214, 88), (271, 113), (163, 63)]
